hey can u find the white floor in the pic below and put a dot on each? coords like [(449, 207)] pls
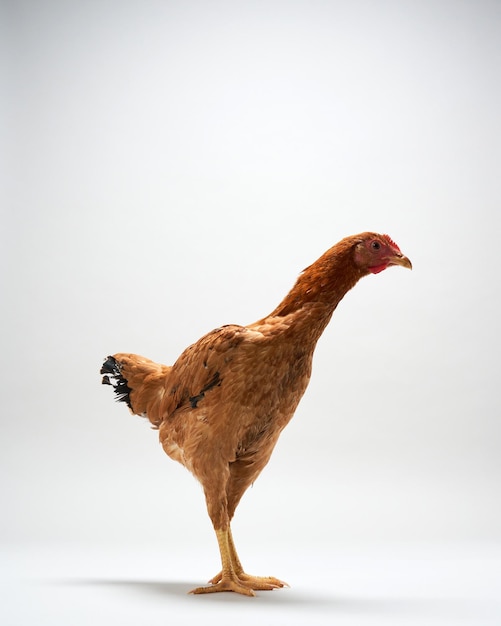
[(54, 585)]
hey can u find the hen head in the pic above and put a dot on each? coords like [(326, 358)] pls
[(374, 253)]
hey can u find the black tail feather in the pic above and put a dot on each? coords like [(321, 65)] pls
[(113, 376)]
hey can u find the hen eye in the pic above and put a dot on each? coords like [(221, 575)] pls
[(375, 245)]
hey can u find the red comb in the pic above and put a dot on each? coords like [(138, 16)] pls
[(391, 242)]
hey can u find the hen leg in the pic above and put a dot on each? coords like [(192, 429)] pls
[(228, 580), (257, 583), (217, 507), (243, 474)]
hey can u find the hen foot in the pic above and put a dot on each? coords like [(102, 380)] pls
[(258, 583), (226, 584)]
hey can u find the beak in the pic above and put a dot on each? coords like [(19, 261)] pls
[(400, 259)]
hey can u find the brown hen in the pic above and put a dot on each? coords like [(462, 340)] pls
[(223, 404)]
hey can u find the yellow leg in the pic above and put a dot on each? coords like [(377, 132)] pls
[(237, 566), (228, 580), (232, 577)]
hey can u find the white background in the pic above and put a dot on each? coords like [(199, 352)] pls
[(169, 167)]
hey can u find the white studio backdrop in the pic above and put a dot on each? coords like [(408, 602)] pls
[(172, 166)]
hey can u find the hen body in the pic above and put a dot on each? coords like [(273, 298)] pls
[(223, 404)]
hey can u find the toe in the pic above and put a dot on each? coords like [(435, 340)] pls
[(225, 585), (262, 583)]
